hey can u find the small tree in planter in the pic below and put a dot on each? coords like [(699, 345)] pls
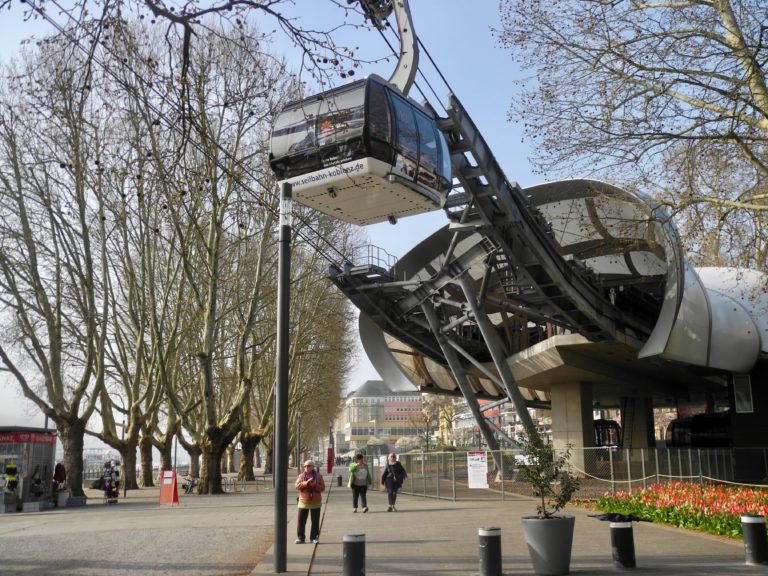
[(549, 536), (548, 474)]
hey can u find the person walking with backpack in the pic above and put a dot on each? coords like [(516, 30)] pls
[(359, 480), (392, 478)]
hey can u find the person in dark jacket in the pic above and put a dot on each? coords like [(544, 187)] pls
[(392, 479), (59, 479)]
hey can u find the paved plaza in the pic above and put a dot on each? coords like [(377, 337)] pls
[(231, 534)]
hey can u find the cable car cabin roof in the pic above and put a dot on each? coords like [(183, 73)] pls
[(362, 153)]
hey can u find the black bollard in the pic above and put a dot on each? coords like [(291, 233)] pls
[(354, 555), (755, 544), (622, 545), (490, 551), (338, 480)]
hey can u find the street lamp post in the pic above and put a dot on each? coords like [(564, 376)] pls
[(280, 455), (331, 453)]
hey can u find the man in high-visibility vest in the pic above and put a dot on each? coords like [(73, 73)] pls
[(11, 478)]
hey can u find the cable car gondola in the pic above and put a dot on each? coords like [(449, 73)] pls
[(362, 153)]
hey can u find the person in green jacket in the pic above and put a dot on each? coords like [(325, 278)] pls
[(359, 480)]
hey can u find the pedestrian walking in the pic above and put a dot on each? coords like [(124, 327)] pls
[(359, 480), (310, 485), (392, 479)]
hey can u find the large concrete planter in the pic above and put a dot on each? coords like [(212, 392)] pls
[(549, 543)]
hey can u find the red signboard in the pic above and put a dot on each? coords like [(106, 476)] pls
[(26, 438), (169, 491)]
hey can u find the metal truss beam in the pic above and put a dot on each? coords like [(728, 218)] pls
[(461, 379)]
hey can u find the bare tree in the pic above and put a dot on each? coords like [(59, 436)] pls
[(321, 346), (320, 53), (53, 241), (716, 230), (169, 201), (627, 88), (427, 422)]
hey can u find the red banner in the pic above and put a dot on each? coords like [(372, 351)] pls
[(26, 438)]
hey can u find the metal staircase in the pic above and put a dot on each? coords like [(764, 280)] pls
[(515, 247), (535, 276)]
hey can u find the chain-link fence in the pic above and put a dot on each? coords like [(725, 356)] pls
[(600, 470)]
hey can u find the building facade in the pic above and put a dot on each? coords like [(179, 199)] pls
[(375, 415)]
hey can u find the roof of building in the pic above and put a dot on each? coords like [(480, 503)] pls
[(377, 388)]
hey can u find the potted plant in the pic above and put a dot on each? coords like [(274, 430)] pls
[(549, 536)]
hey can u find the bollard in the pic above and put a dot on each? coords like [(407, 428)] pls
[(353, 563), (622, 545), (489, 540), (338, 480), (755, 544)]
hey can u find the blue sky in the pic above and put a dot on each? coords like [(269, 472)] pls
[(457, 35)]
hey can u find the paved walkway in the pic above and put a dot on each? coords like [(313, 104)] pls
[(437, 537), (231, 534), (204, 535)]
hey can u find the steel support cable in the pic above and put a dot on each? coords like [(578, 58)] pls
[(260, 197), (419, 71)]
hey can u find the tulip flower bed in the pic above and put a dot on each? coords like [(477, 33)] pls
[(713, 508)]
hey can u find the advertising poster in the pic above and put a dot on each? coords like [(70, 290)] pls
[(477, 469)]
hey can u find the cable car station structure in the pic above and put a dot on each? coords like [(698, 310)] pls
[(560, 295)]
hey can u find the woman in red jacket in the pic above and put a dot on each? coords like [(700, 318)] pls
[(310, 485)]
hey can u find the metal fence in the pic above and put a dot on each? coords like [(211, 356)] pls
[(601, 470), (94, 472), (229, 481)]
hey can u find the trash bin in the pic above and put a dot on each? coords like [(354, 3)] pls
[(755, 545), (62, 498), (622, 545), (338, 480)]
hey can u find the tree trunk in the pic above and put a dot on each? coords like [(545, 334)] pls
[(210, 476), (128, 465), (230, 462), (71, 434), (166, 454), (248, 442), (145, 446), (268, 461), (257, 453), (213, 451), (194, 461)]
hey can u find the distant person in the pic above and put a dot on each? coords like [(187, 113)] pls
[(392, 478), (11, 476), (359, 480), (60, 474), (111, 481), (59, 479), (310, 485)]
